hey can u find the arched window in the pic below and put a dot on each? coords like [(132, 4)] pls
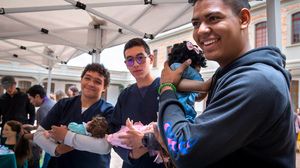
[(24, 85), (294, 94), (52, 86), (296, 28), (155, 58), (169, 48), (260, 34)]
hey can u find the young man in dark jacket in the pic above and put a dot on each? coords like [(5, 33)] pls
[(248, 121), (14, 104)]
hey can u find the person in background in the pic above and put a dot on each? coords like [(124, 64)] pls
[(73, 91), (15, 104), (37, 96), (60, 95), (52, 96), (95, 79), (248, 121)]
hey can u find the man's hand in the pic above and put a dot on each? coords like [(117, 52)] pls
[(62, 149), (28, 127), (21, 132), (134, 137), (58, 133), (169, 76)]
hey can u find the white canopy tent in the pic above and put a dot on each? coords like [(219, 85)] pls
[(45, 33)]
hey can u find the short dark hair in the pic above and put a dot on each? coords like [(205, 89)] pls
[(36, 89), (236, 5), (98, 127), (180, 53), (136, 42), (95, 67)]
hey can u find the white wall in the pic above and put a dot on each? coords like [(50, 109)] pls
[(112, 94)]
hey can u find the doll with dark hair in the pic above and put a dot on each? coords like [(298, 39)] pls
[(20, 146), (179, 54), (97, 128)]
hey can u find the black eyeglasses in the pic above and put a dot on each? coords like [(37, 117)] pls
[(140, 59)]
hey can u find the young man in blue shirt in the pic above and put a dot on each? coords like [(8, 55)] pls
[(94, 80)]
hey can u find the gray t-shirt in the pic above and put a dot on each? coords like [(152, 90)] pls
[(44, 109)]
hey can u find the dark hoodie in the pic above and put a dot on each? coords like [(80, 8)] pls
[(248, 121)]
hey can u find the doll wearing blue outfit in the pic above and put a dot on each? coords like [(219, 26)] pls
[(79, 128), (97, 128), (179, 54)]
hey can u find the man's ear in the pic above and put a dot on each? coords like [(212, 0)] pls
[(151, 58), (245, 18), (37, 96), (105, 87)]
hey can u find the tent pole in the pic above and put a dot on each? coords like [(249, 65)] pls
[(98, 45), (49, 81), (274, 24)]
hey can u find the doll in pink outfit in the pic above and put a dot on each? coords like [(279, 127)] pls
[(116, 141)]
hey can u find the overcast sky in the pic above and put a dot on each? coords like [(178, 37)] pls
[(112, 58)]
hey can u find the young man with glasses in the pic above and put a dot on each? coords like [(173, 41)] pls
[(138, 103)]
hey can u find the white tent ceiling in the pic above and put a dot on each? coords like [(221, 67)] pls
[(45, 32)]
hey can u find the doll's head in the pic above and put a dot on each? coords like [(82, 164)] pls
[(98, 127), (185, 50), (11, 128), (22, 147)]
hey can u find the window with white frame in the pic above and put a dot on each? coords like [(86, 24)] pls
[(155, 52), (260, 34), (296, 28), (169, 48)]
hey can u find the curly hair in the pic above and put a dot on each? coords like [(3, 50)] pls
[(180, 53), (98, 127), (95, 67)]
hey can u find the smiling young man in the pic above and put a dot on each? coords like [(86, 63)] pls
[(94, 80), (248, 121)]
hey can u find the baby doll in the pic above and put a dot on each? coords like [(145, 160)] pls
[(179, 54), (97, 128)]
